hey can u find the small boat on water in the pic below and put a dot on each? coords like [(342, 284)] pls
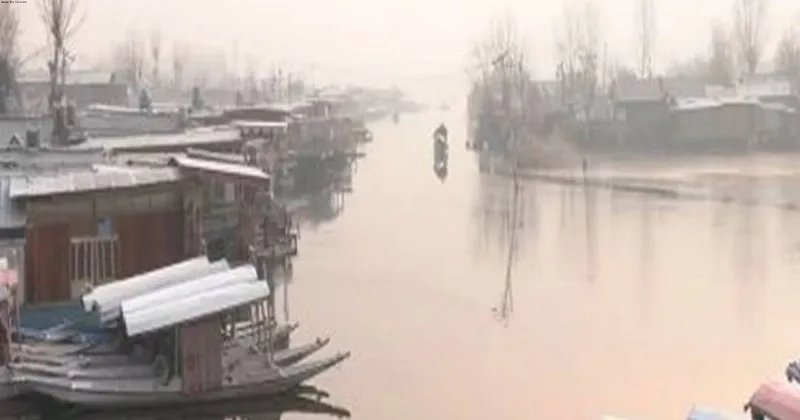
[(775, 400), (705, 413)]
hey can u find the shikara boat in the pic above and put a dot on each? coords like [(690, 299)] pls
[(244, 382), (241, 408), (775, 400)]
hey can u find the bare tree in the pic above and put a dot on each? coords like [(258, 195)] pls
[(578, 46), (721, 67), (180, 55), (500, 71), (646, 25), (749, 32), (129, 60), (62, 19), (155, 56), (9, 60), (787, 56)]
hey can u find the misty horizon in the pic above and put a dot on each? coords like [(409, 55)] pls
[(385, 43)]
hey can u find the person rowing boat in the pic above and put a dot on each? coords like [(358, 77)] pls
[(440, 132)]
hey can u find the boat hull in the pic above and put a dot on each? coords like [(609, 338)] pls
[(100, 395)]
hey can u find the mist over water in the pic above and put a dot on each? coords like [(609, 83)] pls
[(623, 303)]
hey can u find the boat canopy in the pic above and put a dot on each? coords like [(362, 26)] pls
[(106, 299), (191, 308), (222, 168), (777, 399), (244, 274)]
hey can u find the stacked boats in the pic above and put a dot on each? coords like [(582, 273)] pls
[(196, 331)]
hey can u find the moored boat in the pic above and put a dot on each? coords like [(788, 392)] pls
[(775, 400), (153, 392), (162, 323)]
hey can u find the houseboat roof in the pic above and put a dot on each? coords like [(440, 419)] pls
[(127, 110), (778, 399), (80, 77), (193, 307), (271, 107), (89, 181), (12, 214), (259, 124), (44, 159), (243, 274), (222, 168), (107, 298), (195, 138), (222, 157)]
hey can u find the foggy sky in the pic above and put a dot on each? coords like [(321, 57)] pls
[(407, 40)]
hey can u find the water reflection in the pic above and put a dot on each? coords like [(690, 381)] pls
[(272, 408)]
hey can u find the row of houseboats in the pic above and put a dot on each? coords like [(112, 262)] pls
[(119, 235)]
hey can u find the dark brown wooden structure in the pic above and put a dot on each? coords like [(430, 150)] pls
[(93, 227)]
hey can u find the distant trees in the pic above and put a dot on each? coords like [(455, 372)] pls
[(500, 81), (718, 67), (646, 31), (579, 60), (9, 59), (155, 57), (129, 59), (748, 32), (787, 56), (62, 19), (721, 62)]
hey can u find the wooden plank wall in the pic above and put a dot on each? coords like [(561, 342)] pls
[(149, 241), (47, 263), (201, 355)]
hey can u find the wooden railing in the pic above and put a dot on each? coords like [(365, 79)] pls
[(93, 260)]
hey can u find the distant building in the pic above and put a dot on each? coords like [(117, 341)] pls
[(82, 87)]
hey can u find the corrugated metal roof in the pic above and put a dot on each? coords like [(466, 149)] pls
[(197, 138), (44, 159), (259, 124), (243, 274), (222, 157), (12, 214), (73, 78), (194, 307), (221, 167), (86, 181), (108, 298)]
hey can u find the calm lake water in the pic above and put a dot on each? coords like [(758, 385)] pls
[(619, 303)]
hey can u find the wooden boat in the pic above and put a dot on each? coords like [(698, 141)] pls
[(246, 382), (775, 400), (126, 366), (241, 408), (197, 372)]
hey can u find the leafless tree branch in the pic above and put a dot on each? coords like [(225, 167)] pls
[(749, 18)]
